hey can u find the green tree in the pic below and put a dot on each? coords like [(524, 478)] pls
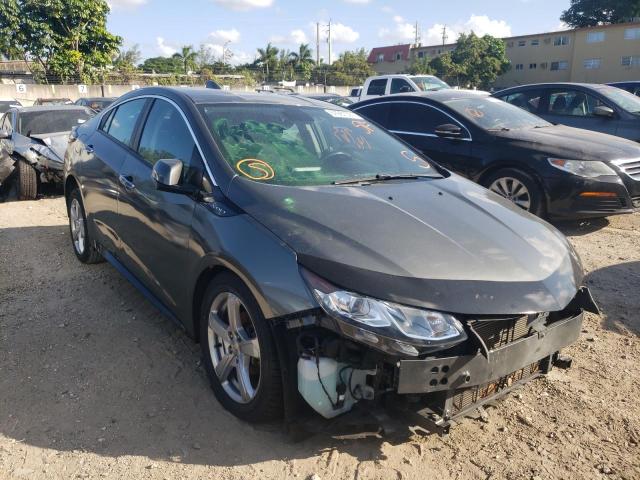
[(590, 13), (65, 37), (475, 62), (268, 58), (421, 66), (302, 61), (187, 57), (162, 65), (350, 69)]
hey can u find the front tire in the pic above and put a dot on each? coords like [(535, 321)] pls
[(518, 187), (83, 245), (239, 352), (27, 181)]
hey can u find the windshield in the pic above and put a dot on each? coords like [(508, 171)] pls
[(493, 114), (429, 83), (291, 145), (625, 100), (50, 121)]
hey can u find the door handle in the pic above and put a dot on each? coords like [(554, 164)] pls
[(127, 182), (89, 149)]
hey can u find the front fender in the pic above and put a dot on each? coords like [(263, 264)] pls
[(265, 264)]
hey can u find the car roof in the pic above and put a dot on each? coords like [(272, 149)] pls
[(50, 108), (212, 96), (552, 85), (98, 99), (443, 95)]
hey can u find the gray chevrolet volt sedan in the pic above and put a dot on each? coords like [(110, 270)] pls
[(320, 261)]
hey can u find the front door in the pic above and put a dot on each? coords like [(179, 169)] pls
[(416, 123), (155, 226)]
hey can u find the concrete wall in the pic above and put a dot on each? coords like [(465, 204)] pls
[(28, 93)]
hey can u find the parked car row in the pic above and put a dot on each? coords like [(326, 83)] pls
[(320, 260)]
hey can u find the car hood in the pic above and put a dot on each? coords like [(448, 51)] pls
[(53, 146), (573, 143), (446, 244)]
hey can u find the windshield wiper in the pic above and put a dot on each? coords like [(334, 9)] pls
[(383, 177)]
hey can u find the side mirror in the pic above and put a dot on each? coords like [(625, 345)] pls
[(167, 174), (4, 135), (602, 111), (449, 130)]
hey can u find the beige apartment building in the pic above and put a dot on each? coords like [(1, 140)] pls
[(602, 54)]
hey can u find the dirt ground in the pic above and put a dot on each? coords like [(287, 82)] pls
[(95, 383)]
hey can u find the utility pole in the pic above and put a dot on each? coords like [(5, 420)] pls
[(317, 43), (329, 41), (444, 35), (417, 31)]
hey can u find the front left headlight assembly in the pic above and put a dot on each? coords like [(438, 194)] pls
[(388, 326), (582, 168)]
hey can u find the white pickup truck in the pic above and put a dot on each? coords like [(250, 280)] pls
[(392, 84)]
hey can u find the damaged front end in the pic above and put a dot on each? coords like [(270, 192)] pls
[(45, 156), (427, 367)]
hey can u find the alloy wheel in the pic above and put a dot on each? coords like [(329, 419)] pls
[(234, 347), (77, 226), (514, 190)]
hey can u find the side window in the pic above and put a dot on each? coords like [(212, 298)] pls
[(123, 121), (416, 118), (574, 103), (377, 87), (400, 85), (378, 113), (528, 100), (166, 136)]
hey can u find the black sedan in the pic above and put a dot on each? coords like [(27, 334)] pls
[(600, 108), (549, 170), (316, 257)]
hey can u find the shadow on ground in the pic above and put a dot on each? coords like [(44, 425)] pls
[(576, 228), (86, 363), (616, 290)]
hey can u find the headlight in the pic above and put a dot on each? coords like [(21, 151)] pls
[(413, 329), (589, 169)]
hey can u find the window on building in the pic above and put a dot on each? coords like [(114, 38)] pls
[(595, 37), (398, 56), (630, 61), (509, 44), (561, 65), (533, 66), (632, 34), (592, 63), (420, 54), (535, 42), (380, 58), (561, 40), (519, 66), (522, 43)]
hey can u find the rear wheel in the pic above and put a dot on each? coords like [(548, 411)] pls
[(239, 352), (519, 187), (27, 181), (82, 243)]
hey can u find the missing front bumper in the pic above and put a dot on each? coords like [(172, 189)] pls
[(453, 373)]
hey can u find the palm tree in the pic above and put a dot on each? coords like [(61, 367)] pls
[(302, 56), (187, 57), (268, 56)]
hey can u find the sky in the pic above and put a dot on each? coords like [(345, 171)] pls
[(161, 27)]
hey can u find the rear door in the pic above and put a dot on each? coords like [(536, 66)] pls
[(104, 152), (574, 107), (155, 226)]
